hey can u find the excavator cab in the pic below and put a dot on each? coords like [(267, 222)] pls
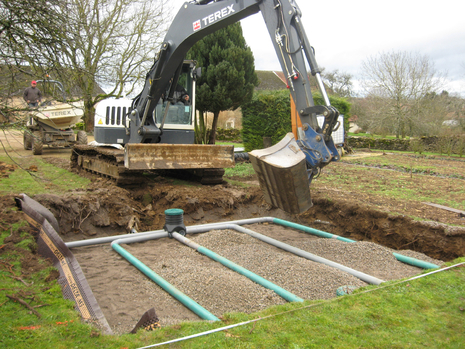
[(180, 108), (175, 117)]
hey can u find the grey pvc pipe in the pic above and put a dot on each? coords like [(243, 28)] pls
[(173, 291), (189, 230), (107, 239), (362, 276), (237, 268), (202, 229)]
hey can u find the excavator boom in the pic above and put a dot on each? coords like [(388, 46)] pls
[(284, 170)]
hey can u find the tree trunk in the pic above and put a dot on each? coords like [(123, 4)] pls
[(89, 114), (402, 128), (214, 127), (200, 128)]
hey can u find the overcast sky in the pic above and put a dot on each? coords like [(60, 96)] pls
[(345, 33)]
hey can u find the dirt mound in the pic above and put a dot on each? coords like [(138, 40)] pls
[(29, 258), (105, 209), (6, 169)]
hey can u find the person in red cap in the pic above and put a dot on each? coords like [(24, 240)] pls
[(32, 95)]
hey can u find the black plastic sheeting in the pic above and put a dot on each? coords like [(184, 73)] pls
[(72, 280)]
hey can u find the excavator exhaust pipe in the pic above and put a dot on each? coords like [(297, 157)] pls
[(282, 174)]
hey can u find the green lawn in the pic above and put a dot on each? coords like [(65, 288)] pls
[(426, 312)]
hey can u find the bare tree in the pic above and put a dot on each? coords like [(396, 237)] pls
[(338, 82), (401, 80), (111, 43), (371, 115), (27, 30), (86, 44)]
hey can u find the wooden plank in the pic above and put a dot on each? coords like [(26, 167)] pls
[(445, 208)]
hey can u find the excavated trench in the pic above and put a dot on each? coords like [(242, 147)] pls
[(124, 293), (108, 210)]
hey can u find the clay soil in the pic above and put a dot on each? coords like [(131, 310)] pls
[(105, 209)]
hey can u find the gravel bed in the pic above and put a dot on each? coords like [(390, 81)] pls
[(220, 290)]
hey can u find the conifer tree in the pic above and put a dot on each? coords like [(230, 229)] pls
[(228, 74)]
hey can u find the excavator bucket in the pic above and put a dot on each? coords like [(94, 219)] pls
[(282, 174)]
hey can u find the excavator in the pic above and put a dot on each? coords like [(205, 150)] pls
[(154, 131)]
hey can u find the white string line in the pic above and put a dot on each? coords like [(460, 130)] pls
[(289, 311)]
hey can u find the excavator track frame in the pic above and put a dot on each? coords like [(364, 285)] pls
[(110, 162)]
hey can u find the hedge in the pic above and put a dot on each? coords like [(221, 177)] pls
[(454, 144), (267, 115)]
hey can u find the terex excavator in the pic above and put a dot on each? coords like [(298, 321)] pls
[(152, 140)]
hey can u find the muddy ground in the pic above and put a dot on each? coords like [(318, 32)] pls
[(106, 209)]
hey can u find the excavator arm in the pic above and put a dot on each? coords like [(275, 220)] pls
[(197, 19)]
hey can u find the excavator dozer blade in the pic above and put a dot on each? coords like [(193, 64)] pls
[(152, 156), (282, 174)]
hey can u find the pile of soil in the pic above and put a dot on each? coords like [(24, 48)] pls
[(106, 209)]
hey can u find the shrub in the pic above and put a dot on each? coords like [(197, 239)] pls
[(417, 146), (79, 126), (267, 115)]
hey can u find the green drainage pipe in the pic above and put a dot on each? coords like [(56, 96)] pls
[(415, 262), (188, 302), (316, 232), (401, 258), (193, 229), (237, 268)]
